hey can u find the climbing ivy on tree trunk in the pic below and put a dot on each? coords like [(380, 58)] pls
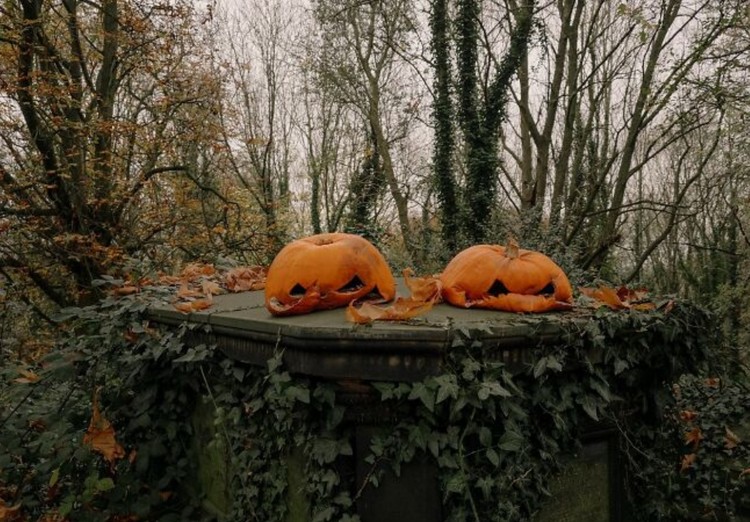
[(481, 109)]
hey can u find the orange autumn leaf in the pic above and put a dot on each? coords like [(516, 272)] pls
[(27, 377), (9, 513), (185, 292), (195, 270), (693, 437), (687, 462), (623, 298), (688, 415), (125, 290), (193, 306), (401, 310), (712, 382), (605, 295), (168, 280), (100, 435), (242, 279), (210, 288), (422, 288), (130, 336)]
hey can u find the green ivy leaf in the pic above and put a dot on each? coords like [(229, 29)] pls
[(493, 457), (511, 441), (589, 406), (424, 394)]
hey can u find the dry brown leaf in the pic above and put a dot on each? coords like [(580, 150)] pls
[(401, 310), (9, 513), (731, 440), (210, 288), (623, 298), (245, 278), (185, 292), (687, 462), (193, 306), (125, 290), (100, 435), (130, 336), (605, 295), (27, 377), (422, 288), (195, 270), (688, 415), (694, 437), (168, 280), (712, 382)]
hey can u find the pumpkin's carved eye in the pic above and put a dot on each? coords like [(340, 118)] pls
[(497, 288), (297, 290), (354, 284), (547, 290)]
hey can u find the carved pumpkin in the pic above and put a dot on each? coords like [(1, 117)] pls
[(327, 271), (509, 279)]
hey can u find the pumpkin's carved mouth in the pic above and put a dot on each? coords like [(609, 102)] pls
[(354, 285), (498, 288)]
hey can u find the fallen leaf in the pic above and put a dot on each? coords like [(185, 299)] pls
[(694, 437), (193, 306), (688, 415), (401, 310), (168, 280), (100, 435), (687, 462), (731, 440), (185, 292), (9, 513), (605, 295), (195, 270), (422, 288), (210, 288), (125, 290), (130, 336), (243, 279), (712, 382), (27, 377)]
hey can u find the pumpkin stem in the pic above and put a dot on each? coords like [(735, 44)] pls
[(511, 249)]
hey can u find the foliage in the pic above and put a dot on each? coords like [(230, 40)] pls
[(700, 453), (494, 430), (44, 464)]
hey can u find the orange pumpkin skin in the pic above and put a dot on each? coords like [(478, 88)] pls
[(512, 279), (326, 271)]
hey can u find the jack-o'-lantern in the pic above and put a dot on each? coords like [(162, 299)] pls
[(505, 278), (327, 271)]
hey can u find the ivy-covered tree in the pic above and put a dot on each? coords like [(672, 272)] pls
[(482, 99)]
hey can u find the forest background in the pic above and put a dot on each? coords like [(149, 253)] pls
[(138, 136)]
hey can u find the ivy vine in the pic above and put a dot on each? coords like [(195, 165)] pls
[(282, 444)]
